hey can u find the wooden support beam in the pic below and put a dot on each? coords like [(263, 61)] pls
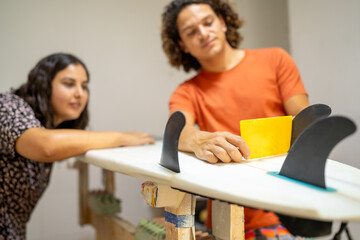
[(180, 220), (111, 227), (84, 214), (227, 221), (109, 181), (179, 209), (106, 226)]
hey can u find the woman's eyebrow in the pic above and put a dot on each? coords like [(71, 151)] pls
[(73, 79)]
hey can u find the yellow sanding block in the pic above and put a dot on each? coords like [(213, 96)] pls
[(267, 136)]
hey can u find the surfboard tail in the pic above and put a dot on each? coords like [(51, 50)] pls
[(307, 157)]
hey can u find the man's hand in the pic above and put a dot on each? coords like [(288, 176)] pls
[(219, 146), (212, 147)]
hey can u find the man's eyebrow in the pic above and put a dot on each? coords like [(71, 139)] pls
[(191, 26), (186, 28)]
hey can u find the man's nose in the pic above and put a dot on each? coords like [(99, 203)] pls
[(204, 32)]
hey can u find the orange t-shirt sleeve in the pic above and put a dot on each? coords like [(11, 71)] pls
[(288, 76), (180, 100)]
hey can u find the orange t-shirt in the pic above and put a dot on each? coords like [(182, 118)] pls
[(256, 87)]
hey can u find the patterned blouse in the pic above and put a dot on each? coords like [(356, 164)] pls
[(22, 181)]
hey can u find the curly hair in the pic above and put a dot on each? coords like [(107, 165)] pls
[(170, 35), (37, 90)]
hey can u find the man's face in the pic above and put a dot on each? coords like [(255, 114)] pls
[(202, 32)]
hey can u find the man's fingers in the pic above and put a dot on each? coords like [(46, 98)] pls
[(240, 143), (208, 156), (231, 150), (221, 153)]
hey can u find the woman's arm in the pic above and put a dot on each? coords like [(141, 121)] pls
[(212, 147), (47, 145)]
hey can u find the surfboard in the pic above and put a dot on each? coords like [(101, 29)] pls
[(306, 190), (250, 183)]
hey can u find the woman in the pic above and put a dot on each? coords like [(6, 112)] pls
[(41, 122)]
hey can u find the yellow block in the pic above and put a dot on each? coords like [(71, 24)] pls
[(267, 136)]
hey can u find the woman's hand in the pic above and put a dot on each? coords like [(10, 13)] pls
[(136, 138)]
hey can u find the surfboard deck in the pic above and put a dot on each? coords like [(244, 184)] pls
[(248, 183)]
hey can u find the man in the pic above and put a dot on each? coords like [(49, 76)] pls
[(231, 85)]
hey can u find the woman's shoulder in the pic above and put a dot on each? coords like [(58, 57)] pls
[(7, 97), (11, 103), (10, 100)]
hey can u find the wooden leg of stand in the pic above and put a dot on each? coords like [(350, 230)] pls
[(109, 181), (112, 227), (179, 221), (227, 221), (84, 213), (179, 209)]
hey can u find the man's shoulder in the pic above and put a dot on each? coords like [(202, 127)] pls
[(267, 51)]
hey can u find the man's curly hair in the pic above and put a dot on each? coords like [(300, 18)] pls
[(170, 35)]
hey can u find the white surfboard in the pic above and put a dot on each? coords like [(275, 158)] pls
[(249, 184)]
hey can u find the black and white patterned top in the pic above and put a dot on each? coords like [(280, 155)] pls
[(22, 181)]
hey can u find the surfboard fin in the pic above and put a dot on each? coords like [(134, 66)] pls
[(314, 135), (305, 227), (306, 117), (169, 154), (307, 156)]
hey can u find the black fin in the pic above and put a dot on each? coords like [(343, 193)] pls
[(306, 117), (169, 155), (305, 227), (307, 156)]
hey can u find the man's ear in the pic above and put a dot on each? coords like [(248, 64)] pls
[(222, 22), (183, 47)]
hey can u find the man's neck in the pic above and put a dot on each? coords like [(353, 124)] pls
[(225, 60)]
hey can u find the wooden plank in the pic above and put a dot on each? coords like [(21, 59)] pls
[(179, 209), (112, 227), (186, 208), (109, 181), (106, 227), (227, 221), (84, 215)]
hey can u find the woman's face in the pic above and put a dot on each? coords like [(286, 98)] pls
[(69, 93), (202, 32)]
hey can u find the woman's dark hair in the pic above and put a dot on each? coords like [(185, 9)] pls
[(37, 90), (170, 35)]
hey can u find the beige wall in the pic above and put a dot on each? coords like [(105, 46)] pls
[(325, 43), (131, 80)]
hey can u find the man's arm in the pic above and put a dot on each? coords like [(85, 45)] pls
[(295, 104), (212, 147)]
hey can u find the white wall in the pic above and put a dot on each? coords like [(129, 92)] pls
[(325, 43), (130, 85), (130, 81), (130, 78)]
